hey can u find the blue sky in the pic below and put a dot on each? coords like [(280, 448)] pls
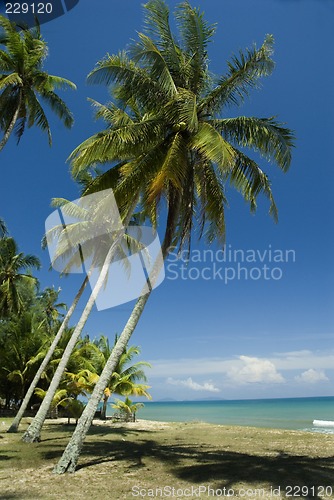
[(244, 338)]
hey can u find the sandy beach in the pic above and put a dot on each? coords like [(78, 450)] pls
[(169, 459)]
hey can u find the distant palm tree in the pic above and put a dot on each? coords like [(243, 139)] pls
[(23, 82), (127, 407), (125, 378), (47, 356), (21, 337), (79, 377), (13, 277), (48, 300), (170, 140)]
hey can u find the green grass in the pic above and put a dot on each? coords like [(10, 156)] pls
[(118, 458)]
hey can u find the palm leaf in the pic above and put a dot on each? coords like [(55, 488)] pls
[(243, 75), (264, 135)]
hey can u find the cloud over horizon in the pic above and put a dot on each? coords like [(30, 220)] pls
[(312, 376), (273, 364), (191, 384), (254, 371)]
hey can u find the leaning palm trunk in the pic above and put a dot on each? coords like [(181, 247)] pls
[(33, 432), (16, 422), (11, 125), (69, 459)]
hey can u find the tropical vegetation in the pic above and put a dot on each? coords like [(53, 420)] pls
[(25, 85), (171, 147), (29, 321), (169, 152)]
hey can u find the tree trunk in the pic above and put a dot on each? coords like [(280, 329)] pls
[(69, 459), (11, 125), (16, 422), (33, 432)]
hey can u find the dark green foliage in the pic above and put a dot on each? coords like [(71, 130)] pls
[(168, 136), (24, 85)]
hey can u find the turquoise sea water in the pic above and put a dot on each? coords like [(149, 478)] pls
[(292, 413)]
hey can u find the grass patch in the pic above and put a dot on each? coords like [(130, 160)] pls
[(134, 459)]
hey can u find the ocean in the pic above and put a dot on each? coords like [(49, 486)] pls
[(289, 413)]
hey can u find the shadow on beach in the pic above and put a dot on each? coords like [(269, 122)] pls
[(224, 469)]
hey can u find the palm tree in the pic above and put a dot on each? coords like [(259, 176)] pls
[(47, 356), (170, 140), (78, 379), (21, 338), (124, 379), (73, 257), (102, 256), (127, 407), (23, 82), (12, 278), (48, 300)]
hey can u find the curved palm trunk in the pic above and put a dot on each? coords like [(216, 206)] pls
[(33, 432), (69, 459), (16, 422), (11, 125)]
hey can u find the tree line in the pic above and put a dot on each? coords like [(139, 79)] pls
[(29, 321), (168, 151)]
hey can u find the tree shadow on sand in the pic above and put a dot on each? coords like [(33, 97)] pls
[(223, 469)]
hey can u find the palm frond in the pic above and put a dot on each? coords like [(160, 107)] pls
[(196, 33), (173, 168), (265, 135), (158, 27), (210, 144), (243, 75), (11, 79), (251, 181), (36, 114), (146, 52), (134, 80), (111, 114), (182, 111), (59, 107)]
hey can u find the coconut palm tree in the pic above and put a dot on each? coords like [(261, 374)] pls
[(48, 300), (21, 338), (124, 380), (73, 257), (170, 140), (13, 279), (127, 407), (47, 356), (79, 377), (24, 83), (98, 215)]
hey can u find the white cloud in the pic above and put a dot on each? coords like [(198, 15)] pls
[(302, 360), (312, 376), (182, 367), (190, 384), (254, 370), (211, 367)]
